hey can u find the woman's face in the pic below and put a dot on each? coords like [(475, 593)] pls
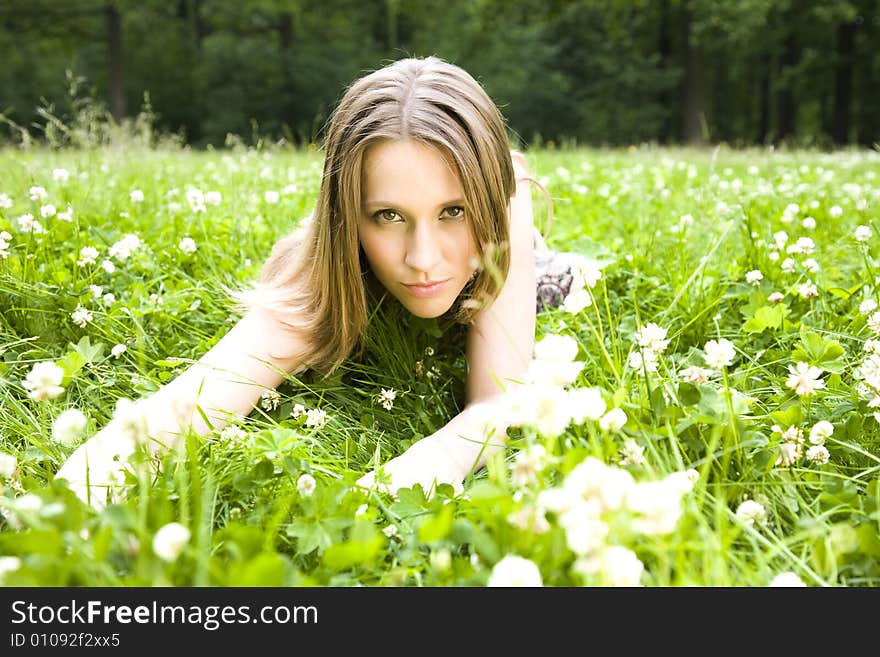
[(414, 226)]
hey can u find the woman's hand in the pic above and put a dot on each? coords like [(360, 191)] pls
[(429, 462), (96, 470)]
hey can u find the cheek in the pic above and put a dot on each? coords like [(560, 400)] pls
[(378, 249)]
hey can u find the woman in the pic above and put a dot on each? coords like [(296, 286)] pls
[(420, 198)]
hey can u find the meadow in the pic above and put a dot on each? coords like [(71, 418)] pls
[(705, 413)]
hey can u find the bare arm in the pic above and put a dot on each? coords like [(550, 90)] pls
[(228, 380), (501, 340), (499, 349)]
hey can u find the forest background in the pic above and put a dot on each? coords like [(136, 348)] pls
[(565, 72)]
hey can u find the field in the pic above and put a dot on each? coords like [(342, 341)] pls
[(719, 426)]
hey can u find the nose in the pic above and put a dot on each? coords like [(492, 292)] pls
[(423, 249)]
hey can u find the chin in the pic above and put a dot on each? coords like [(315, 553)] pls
[(428, 310)]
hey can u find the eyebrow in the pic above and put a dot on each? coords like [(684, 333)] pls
[(385, 204)]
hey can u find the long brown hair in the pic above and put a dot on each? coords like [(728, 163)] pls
[(314, 280)]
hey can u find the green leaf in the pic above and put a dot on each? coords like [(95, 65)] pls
[(266, 569), (437, 527), (765, 317), (789, 416), (316, 534), (363, 547), (71, 363), (87, 350), (816, 350)]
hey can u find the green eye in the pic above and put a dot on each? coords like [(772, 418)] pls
[(386, 216), (454, 212)]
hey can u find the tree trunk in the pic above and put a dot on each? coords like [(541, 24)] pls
[(116, 79), (693, 91), (664, 48), (785, 106), (843, 75)]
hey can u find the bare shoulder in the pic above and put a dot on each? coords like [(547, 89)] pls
[(264, 335)]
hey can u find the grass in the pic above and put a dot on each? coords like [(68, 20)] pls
[(675, 232)]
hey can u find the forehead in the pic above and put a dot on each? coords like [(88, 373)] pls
[(403, 170)]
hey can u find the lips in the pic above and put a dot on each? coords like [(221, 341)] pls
[(426, 289)]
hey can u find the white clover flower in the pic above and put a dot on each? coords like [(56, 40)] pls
[(719, 353), (5, 239), (696, 374), (81, 316), (789, 453), (68, 427), (109, 299), (8, 565), (136, 196), (60, 175), (5, 202), (615, 565), (646, 360), (786, 579), (514, 570), (108, 266), (233, 434), (28, 224), (613, 420), (527, 464), (546, 408), (87, 256), (37, 193), (835, 211), (584, 533), (298, 409), (576, 300), (170, 540), (863, 233), (8, 463), (125, 247), (271, 197), (390, 530), (44, 381), (316, 417), (67, 215), (387, 397), (554, 362), (775, 297), (804, 379), (820, 432), (196, 200), (306, 485), (187, 245), (631, 453), (810, 265), (867, 306), (754, 277), (751, 512), (780, 238), (788, 265), (48, 210), (805, 245), (269, 400), (653, 337), (808, 290), (96, 290), (809, 223), (585, 404), (818, 454), (556, 348), (118, 350)]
